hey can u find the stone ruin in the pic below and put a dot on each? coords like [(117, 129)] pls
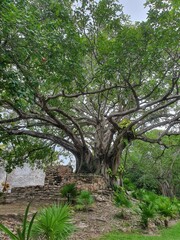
[(55, 178)]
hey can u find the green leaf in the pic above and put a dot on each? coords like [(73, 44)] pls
[(24, 229), (30, 226), (8, 232)]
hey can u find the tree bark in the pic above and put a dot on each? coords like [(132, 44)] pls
[(166, 189), (100, 163), (84, 161)]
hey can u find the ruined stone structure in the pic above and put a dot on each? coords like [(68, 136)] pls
[(56, 177), (22, 176)]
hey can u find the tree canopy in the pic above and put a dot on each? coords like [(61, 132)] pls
[(153, 167), (80, 75)]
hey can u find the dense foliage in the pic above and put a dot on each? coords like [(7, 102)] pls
[(154, 167), (80, 75)]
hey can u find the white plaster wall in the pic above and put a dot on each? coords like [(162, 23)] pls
[(2, 177), (21, 177)]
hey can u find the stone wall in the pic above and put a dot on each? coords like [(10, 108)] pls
[(56, 174), (88, 182), (22, 176), (56, 178)]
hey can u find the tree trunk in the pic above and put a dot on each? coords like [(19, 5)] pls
[(166, 189), (101, 163), (84, 161)]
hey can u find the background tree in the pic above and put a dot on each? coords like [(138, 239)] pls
[(154, 167), (83, 77)]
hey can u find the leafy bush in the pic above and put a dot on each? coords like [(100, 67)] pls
[(120, 199), (176, 203), (53, 223), (138, 194), (147, 205), (152, 204), (144, 195), (69, 191), (166, 207), (128, 185), (24, 232), (84, 200), (148, 210)]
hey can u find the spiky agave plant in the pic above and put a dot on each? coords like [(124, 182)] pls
[(24, 232), (53, 223)]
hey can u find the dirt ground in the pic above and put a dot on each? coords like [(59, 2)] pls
[(98, 220)]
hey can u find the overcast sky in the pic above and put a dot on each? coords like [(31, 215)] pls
[(135, 9)]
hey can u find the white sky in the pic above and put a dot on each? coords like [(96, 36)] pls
[(135, 9)]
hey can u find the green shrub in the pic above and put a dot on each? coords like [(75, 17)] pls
[(176, 203), (84, 200), (144, 195), (147, 205), (69, 191), (149, 197), (166, 207), (138, 194), (148, 211), (128, 185), (152, 204), (120, 199), (53, 223), (24, 232)]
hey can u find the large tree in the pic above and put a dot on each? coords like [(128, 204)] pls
[(80, 75)]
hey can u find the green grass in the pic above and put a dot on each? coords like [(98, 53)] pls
[(172, 233)]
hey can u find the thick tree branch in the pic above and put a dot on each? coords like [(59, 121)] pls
[(58, 140), (75, 95), (72, 120), (156, 109)]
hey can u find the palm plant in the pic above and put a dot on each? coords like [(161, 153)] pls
[(147, 206), (176, 203), (84, 200), (24, 232), (69, 191), (53, 223), (166, 207), (148, 211), (121, 199), (144, 195)]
